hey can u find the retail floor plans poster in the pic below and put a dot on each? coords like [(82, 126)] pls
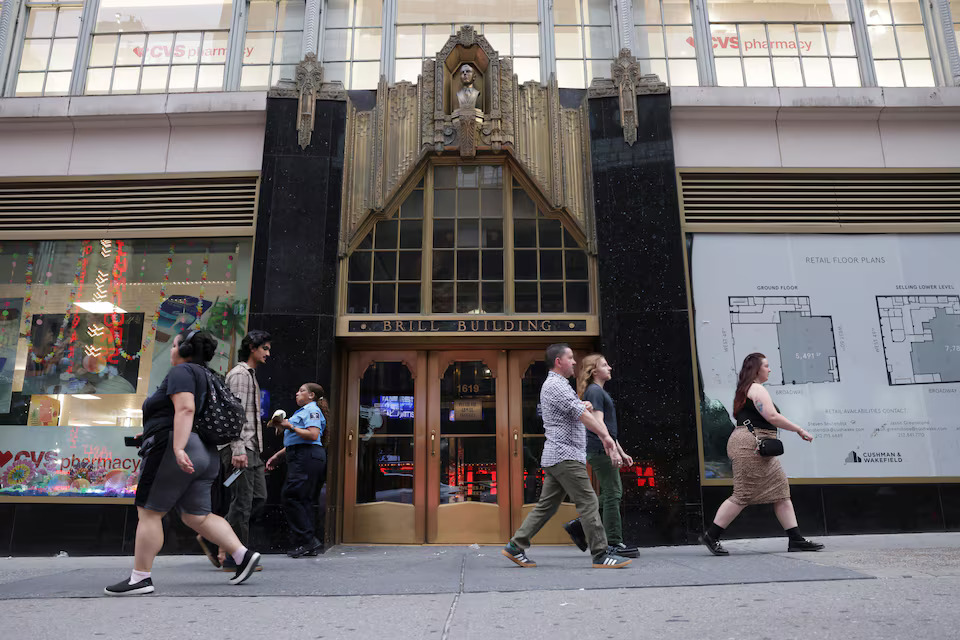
[(799, 346), (921, 338), (862, 334)]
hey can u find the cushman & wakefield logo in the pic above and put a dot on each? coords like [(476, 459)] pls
[(874, 456)]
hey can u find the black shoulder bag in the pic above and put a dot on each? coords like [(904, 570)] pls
[(765, 446)]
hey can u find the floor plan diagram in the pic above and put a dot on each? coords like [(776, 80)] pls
[(921, 338), (799, 346)]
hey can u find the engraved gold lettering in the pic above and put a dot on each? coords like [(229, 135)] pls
[(545, 325), (495, 327), (387, 325), (399, 325), (461, 325), (474, 325), (434, 326), (508, 325), (531, 325)]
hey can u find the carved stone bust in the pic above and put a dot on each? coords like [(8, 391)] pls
[(467, 95)]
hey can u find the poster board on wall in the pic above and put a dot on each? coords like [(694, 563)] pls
[(862, 334)]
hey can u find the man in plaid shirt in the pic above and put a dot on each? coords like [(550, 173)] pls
[(248, 494), (564, 463)]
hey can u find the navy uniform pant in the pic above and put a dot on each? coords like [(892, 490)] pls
[(306, 468)]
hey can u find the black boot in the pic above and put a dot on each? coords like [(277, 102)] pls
[(713, 545), (804, 545)]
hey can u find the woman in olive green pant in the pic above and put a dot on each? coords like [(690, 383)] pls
[(594, 373)]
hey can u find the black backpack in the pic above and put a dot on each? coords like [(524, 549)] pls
[(222, 416)]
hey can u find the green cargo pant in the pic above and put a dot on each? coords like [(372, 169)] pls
[(610, 492), (568, 477)]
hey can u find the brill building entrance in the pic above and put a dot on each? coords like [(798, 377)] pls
[(474, 257)]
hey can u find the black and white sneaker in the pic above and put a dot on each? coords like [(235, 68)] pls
[(625, 550), (124, 588), (517, 555), (250, 560), (610, 561)]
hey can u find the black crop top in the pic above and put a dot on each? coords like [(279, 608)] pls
[(749, 416)]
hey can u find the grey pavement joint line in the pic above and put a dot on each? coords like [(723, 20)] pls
[(456, 599)]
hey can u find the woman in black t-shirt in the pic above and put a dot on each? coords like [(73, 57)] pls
[(178, 467), (757, 479)]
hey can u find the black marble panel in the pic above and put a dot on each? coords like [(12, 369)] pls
[(760, 521), (644, 320), (950, 502), (7, 517), (882, 508), (78, 529)]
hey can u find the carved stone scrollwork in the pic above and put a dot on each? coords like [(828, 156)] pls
[(466, 102), (628, 82), (309, 78)]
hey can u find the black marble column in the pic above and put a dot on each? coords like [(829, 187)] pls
[(645, 323), (294, 289)]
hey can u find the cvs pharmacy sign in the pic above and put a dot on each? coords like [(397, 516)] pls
[(734, 42)]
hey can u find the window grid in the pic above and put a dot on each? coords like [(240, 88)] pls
[(955, 14), (550, 268), (433, 35), (659, 47), (383, 274), (833, 65), (595, 51), (351, 47), (468, 259), (898, 40), (286, 29), (153, 66), (48, 73)]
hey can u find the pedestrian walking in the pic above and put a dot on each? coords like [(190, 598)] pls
[(306, 466), (595, 372), (757, 479), (178, 467), (248, 493), (564, 462)]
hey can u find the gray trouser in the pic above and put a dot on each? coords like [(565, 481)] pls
[(248, 493), (568, 477)]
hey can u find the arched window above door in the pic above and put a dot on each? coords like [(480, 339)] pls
[(468, 240)]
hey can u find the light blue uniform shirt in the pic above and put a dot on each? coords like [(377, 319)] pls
[(309, 415)]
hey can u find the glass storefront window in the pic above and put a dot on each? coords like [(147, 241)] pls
[(664, 40), (49, 48), (385, 471), (511, 26), (901, 54), (351, 43), (85, 335), (150, 46), (584, 41), (274, 42), (801, 43)]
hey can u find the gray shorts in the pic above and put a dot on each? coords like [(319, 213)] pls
[(163, 486)]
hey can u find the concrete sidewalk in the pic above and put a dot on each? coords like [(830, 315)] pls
[(464, 592)]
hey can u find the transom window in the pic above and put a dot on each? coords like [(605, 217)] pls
[(351, 42), (462, 242), (423, 27), (49, 48), (141, 47), (273, 45), (901, 53)]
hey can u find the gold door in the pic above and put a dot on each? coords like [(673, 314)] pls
[(527, 371), (384, 497), (467, 498)]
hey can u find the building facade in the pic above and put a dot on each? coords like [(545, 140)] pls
[(416, 198)]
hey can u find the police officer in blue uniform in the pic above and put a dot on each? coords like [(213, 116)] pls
[(306, 466)]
